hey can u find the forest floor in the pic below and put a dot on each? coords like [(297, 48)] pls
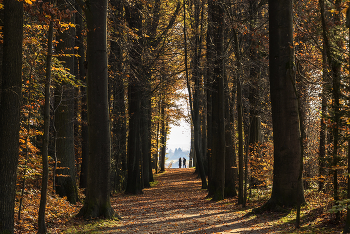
[(176, 204)]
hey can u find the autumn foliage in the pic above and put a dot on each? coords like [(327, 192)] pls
[(147, 78)]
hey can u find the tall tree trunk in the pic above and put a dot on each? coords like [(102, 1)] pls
[(287, 187), (149, 141), (335, 68), (240, 139), (10, 110), (82, 76), (163, 135), (194, 106), (230, 154), (218, 116), (45, 150), (347, 222), (145, 131), (323, 127), (118, 89), (209, 90), (97, 201), (134, 184), (156, 156), (64, 122), (240, 129), (255, 138)]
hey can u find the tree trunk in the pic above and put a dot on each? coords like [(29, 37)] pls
[(156, 156), (209, 89), (194, 107), (163, 133), (240, 139), (323, 127), (218, 117), (230, 154), (334, 65), (83, 109), (347, 222), (97, 201), (145, 131), (119, 135), (45, 150), (134, 183), (64, 122), (149, 141), (10, 110), (287, 187)]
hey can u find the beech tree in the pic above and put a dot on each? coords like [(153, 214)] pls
[(64, 116), (11, 82), (217, 157), (45, 150), (97, 201), (117, 89), (134, 19), (287, 187), (195, 101)]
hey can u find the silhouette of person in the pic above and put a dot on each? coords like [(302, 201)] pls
[(180, 162), (184, 162)]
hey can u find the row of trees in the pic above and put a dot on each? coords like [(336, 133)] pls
[(101, 123), (258, 77), (301, 67)]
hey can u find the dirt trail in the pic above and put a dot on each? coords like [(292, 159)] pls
[(177, 204)]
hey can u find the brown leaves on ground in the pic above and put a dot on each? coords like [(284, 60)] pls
[(177, 204), (58, 212)]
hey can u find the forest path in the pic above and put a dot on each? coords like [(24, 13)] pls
[(177, 204)]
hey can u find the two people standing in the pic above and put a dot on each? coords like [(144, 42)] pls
[(183, 162)]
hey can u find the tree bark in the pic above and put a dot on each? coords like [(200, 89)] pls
[(97, 201), (45, 150), (287, 187), (81, 72), (194, 105), (323, 127), (10, 110), (209, 89), (240, 139), (347, 222), (64, 122), (218, 116), (334, 66), (119, 130), (230, 153), (163, 135), (145, 131), (134, 184)]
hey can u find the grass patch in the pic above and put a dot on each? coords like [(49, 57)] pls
[(93, 226), (154, 183)]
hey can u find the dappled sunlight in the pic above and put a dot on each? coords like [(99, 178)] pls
[(177, 204)]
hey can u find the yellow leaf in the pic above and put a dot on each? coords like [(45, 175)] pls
[(29, 1)]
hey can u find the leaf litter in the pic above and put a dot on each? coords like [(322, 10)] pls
[(177, 204)]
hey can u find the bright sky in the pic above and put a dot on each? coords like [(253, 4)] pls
[(179, 137)]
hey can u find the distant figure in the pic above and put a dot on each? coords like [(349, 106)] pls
[(180, 162), (184, 162)]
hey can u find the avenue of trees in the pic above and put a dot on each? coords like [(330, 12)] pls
[(89, 89)]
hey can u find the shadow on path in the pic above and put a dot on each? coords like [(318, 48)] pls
[(177, 204)]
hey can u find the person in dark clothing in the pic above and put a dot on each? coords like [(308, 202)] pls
[(184, 162), (180, 162)]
